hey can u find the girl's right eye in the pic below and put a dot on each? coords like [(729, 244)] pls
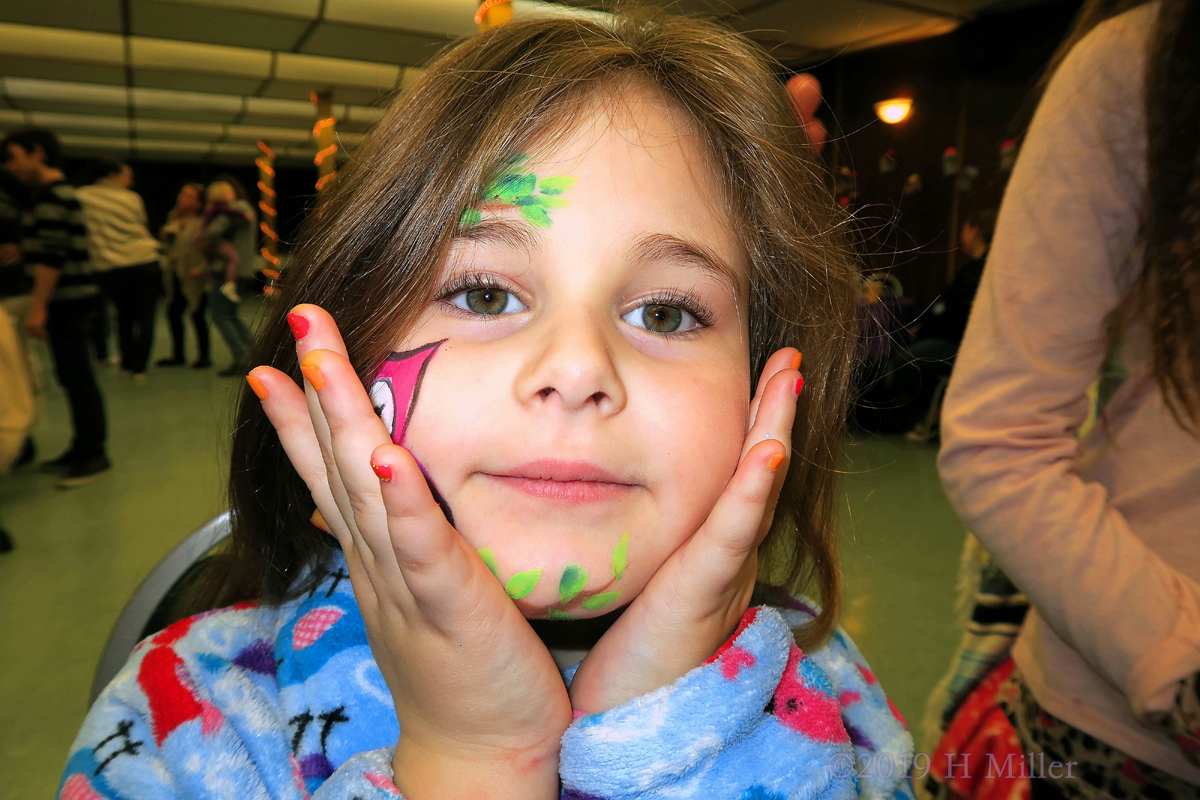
[(488, 301)]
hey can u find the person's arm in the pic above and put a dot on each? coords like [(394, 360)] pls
[(44, 280), (215, 230), (47, 251), (163, 730), (758, 713), (1034, 344)]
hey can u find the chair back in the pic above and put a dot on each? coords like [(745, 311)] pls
[(130, 626)]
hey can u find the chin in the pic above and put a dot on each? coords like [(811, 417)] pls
[(561, 571)]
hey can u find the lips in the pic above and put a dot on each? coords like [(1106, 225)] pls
[(570, 481)]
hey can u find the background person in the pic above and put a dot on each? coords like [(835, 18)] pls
[(1095, 269), (63, 301), (929, 360), (229, 239), (186, 276), (125, 258), (16, 286)]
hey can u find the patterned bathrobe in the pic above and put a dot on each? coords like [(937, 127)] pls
[(260, 701)]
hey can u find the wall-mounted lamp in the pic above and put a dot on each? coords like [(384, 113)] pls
[(895, 110)]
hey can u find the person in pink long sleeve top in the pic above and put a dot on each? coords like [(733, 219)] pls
[(1094, 265)]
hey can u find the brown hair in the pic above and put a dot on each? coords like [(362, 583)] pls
[(1166, 293), (372, 252)]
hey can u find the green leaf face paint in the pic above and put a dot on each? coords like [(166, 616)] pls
[(554, 613), (574, 578), (516, 188), (489, 558), (598, 601), (521, 584), (620, 556)]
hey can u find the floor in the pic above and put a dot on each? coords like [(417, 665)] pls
[(81, 553)]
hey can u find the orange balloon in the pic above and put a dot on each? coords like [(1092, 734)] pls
[(816, 134), (805, 91)]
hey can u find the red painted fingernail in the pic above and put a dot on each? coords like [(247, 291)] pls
[(796, 361), (319, 521), (799, 385), (298, 324), (382, 471), (774, 461)]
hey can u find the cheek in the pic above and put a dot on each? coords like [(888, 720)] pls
[(451, 415), (693, 443)]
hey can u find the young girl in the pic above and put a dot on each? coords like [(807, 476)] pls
[(222, 222), (545, 479), (228, 240)]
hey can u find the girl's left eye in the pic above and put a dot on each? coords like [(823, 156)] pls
[(661, 318), (487, 301)]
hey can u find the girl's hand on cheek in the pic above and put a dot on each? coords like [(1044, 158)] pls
[(694, 601), (478, 697)]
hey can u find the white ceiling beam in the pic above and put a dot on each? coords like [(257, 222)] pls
[(171, 99), (196, 57), (305, 9), (170, 54), (39, 42)]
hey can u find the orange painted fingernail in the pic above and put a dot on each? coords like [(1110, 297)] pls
[(796, 361), (311, 367), (774, 461), (319, 521), (799, 385), (257, 387), (382, 471)]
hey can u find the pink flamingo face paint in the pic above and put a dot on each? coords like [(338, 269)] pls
[(393, 394), (394, 390)]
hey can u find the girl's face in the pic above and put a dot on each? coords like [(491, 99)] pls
[(590, 400)]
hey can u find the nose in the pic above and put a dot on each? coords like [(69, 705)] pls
[(571, 368)]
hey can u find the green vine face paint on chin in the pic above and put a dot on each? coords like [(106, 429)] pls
[(515, 188), (573, 596)]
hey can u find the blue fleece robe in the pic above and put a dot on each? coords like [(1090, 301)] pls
[(287, 702)]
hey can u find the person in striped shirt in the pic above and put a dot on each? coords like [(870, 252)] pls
[(62, 309)]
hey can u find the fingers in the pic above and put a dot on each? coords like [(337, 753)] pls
[(315, 329), (786, 358), (744, 512), (284, 404), (776, 410), (430, 555), (348, 431)]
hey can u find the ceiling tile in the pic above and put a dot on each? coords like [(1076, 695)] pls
[(50, 69), (306, 68), (172, 146), (450, 18), (828, 26), (289, 8), (177, 129), (202, 23), (66, 107), (198, 115), (372, 44), (88, 15), (341, 94), (194, 81), (275, 134), (106, 125), (271, 121)]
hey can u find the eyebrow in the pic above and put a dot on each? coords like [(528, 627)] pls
[(666, 247), (503, 232)]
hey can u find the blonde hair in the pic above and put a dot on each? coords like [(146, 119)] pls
[(220, 192)]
